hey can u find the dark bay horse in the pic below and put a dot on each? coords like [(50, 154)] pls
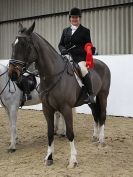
[(60, 90)]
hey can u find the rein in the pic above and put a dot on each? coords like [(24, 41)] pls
[(8, 82), (45, 92), (3, 73)]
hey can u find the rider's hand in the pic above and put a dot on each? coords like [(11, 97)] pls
[(93, 50), (64, 52)]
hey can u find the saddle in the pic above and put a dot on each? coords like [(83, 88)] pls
[(30, 79), (74, 69), (77, 69)]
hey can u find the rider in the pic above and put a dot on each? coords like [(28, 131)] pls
[(77, 37)]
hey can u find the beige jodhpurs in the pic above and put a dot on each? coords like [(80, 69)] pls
[(83, 68)]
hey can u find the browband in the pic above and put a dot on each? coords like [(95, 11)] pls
[(16, 61)]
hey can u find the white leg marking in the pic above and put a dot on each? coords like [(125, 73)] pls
[(101, 134), (96, 129), (50, 150), (16, 41), (73, 159)]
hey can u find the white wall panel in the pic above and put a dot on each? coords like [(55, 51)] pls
[(10, 9)]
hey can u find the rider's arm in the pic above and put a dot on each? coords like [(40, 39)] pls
[(88, 36), (88, 40), (61, 45)]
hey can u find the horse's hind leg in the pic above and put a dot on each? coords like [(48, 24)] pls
[(56, 122), (59, 125), (67, 113), (99, 113), (102, 118), (95, 112), (49, 115), (102, 97)]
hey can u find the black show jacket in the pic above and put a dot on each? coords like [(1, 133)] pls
[(79, 38)]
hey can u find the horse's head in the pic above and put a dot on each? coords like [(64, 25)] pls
[(23, 52)]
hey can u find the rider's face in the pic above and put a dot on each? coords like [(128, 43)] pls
[(75, 20)]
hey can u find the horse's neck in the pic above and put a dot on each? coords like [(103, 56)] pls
[(49, 61), (6, 85)]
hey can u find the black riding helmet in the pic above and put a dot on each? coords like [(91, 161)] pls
[(75, 12)]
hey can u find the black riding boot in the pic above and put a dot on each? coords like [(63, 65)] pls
[(88, 84)]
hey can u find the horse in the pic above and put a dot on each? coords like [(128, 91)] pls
[(59, 89), (10, 99)]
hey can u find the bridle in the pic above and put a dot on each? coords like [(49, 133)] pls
[(24, 65), (17, 64)]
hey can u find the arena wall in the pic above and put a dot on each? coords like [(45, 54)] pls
[(110, 22), (120, 100)]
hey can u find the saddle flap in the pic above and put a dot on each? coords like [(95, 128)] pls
[(29, 80), (77, 70), (32, 82)]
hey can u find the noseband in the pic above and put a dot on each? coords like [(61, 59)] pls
[(17, 64)]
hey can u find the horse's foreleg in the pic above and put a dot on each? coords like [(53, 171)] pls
[(67, 113), (49, 115), (73, 161), (101, 134), (96, 131), (12, 113)]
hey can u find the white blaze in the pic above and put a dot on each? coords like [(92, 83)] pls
[(16, 41)]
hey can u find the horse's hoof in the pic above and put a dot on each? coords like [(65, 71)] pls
[(101, 145), (55, 133), (11, 150), (72, 165), (94, 139), (48, 162)]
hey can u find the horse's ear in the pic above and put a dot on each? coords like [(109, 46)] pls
[(20, 27), (30, 30)]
